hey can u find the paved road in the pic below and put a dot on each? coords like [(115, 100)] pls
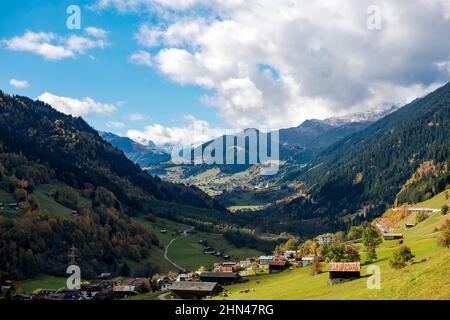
[(166, 250), (164, 296)]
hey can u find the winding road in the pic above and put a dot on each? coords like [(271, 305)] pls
[(166, 250)]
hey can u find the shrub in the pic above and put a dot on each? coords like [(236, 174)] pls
[(444, 210), (444, 238), (421, 216), (371, 255), (316, 268), (400, 257), (68, 197)]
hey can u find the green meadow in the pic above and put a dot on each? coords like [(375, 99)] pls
[(41, 282), (427, 277), (186, 251)]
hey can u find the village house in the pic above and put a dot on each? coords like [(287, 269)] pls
[(392, 236), (265, 259), (227, 266), (194, 290), (277, 264), (223, 278), (306, 261), (121, 292), (185, 277), (324, 239), (290, 254), (105, 276), (410, 225), (344, 271), (164, 284), (139, 282), (14, 205)]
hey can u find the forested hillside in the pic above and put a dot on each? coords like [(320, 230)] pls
[(369, 168), (97, 190)]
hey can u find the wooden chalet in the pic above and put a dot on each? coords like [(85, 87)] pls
[(194, 290), (223, 278), (392, 236), (344, 271)]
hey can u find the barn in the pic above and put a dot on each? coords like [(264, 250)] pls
[(344, 271), (190, 290)]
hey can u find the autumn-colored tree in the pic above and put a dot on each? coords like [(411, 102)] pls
[(400, 257), (371, 239), (444, 237)]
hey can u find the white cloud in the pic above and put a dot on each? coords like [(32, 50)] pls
[(55, 47), (142, 58), (136, 117), (116, 125), (96, 32), (326, 60), (194, 132), (77, 107), (135, 5), (19, 84)]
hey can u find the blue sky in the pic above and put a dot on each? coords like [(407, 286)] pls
[(110, 78), (153, 69)]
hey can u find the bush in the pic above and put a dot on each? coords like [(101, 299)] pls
[(355, 232), (68, 197), (444, 238), (316, 268), (400, 257), (371, 254), (421, 216), (444, 210)]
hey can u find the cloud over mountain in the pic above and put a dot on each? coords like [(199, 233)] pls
[(320, 57)]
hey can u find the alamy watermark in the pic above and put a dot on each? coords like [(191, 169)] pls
[(251, 146), (73, 22), (374, 281)]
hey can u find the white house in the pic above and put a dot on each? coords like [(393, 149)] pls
[(290, 254), (265, 259), (324, 239)]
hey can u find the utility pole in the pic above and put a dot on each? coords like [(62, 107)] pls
[(72, 255)]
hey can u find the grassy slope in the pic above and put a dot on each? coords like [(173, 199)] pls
[(6, 197), (437, 202), (422, 280), (44, 194), (41, 282), (187, 252)]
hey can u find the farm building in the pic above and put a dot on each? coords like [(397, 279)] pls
[(194, 290), (165, 284), (277, 264), (120, 292), (306, 261), (139, 282), (392, 236), (105, 276), (226, 267), (223, 278), (344, 271), (410, 225), (265, 259)]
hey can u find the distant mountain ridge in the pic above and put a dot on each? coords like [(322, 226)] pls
[(143, 155), (370, 167)]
